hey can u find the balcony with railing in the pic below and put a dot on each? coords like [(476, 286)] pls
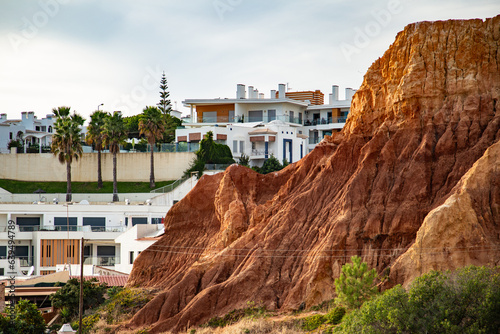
[(260, 153), (251, 119), (65, 228), (101, 260), (314, 140), (323, 121)]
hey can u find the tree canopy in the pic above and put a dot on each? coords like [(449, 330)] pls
[(356, 284), (66, 141), (68, 296), (27, 320), (210, 152)]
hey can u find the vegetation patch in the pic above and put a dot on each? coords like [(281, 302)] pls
[(251, 312), (123, 303), (464, 301), (29, 187)]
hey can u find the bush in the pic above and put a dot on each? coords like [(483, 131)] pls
[(271, 165), (234, 316), (69, 295), (335, 316), (466, 301), (27, 320), (356, 284), (15, 143), (313, 322), (88, 323), (209, 152), (125, 301), (244, 160)]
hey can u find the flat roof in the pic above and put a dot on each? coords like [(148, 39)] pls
[(336, 104), (202, 102)]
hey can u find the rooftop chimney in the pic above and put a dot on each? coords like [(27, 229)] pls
[(273, 94), (240, 91), (349, 93), (281, 91), (250, 92), (334, 96)]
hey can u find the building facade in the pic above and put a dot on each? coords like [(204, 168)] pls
[(29, 129), (287, 125), (47, 235)]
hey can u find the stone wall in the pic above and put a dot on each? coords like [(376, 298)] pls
[(130, 167)]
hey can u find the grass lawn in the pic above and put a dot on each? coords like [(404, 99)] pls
[(28, 187)]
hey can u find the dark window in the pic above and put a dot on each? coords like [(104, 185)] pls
[(97, 223), (22, 251), (271, 115), (10, 135), (87, 251), (255, 115), (62, 223), (2, 272), (131, 258), (106, 255), (28, 223), (139, 220), (3, 252), (105, 250), (156, 220)]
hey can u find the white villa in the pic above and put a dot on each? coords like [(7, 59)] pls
[(287, 125), (29, 128)]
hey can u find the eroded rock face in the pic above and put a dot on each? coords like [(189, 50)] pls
[(425, 113), (464, 230)]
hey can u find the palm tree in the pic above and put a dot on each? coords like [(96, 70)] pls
[(114, 134), (95, 136), (152, 125), (66, 144)]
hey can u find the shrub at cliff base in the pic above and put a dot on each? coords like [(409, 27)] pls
[(68, 297), (356, 284), (464, 301)]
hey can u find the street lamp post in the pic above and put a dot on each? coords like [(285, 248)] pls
[(99, 106)]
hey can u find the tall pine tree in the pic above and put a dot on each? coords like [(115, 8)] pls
[(164, 103)]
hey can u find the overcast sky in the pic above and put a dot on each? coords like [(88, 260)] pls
[(82, 53)]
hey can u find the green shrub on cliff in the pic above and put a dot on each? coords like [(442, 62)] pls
[(464, 301), (356, 284)]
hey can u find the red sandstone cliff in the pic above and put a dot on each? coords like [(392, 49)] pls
[(425, 113)]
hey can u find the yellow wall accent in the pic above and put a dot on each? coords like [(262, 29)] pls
[(131, 167)]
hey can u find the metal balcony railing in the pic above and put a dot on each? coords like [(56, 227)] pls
[(262, 152), (101, 260), (330, 120), (72, 228)]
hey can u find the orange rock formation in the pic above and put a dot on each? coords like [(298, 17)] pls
[(425, 113)]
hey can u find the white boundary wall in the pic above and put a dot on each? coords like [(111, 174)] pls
[(131, 167)]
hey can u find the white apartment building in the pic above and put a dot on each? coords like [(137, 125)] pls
[(32, 130), (287, 125), (47, 235)]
